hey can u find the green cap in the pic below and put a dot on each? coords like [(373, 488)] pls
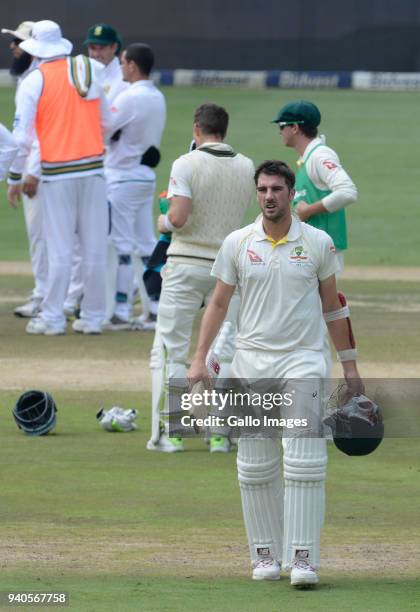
[(103, 34), (299, 111)]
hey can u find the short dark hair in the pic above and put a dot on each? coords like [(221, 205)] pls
[(142, 55), (212, 119), (273, 167), (308, 130)]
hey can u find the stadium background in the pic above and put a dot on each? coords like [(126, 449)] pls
[(245, 35), (119, 528)]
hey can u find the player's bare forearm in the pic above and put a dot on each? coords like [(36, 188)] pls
[(305, 211), (340, 331)]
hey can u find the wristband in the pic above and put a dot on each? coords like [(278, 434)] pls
[(347, 355), (14, 178), (168, 225), (335, 315)]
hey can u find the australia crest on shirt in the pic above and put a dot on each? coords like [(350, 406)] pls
[(299, 256)]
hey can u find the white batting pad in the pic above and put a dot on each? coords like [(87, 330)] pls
[(261, 486), (304, 461)]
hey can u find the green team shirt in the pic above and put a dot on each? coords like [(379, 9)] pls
[(333, 223)]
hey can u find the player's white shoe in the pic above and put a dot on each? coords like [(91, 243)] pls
[(266, 568), (38, 326), (219, 444), (303, 574), (143, 323), (166, 444), (84, 327), (31, 308)]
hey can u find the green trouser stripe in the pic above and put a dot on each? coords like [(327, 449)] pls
[(65, 169)]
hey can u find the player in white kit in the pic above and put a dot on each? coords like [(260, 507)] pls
[(138, 119), (285, 273), (63, 100)]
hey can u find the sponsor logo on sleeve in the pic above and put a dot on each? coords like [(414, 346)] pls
[(329, 164)]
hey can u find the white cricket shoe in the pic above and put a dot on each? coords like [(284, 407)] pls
[(143, 323), (166, 444), (84, 327), (31, 308), (39, 327), (303, 574), (266, 569), (219, 444)]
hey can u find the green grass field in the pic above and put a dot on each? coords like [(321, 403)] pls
[(375, 134), (120, 528)]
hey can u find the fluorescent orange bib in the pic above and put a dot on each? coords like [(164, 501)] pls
[(67, 125)]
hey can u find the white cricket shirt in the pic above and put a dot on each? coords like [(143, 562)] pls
[(140, 113), (221, 186), (112, 80), (326, 172), (280, 307), (8, 150)]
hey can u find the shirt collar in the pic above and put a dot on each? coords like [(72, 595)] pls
[(311, 145), (293, 234), (113, 66), (142, 83), (220, 146)]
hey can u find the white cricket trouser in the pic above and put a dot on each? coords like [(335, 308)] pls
[(32, 208), (284, 525), (185, 288), (132, 232), (70, 206), (75, 291)]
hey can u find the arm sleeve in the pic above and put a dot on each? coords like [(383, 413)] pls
[(328, 259), (8, 150), (225, 266), (106, 116), (33, 166), (122, 112), (24, 123), (326, 172), (181, 178)]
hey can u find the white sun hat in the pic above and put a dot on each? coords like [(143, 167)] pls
[(46, 41), (23, 31)]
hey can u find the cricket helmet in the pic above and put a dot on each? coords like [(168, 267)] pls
[(35, 413), (356, 423)]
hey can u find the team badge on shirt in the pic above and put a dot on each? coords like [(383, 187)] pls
[(254, 258), (298, 255)]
